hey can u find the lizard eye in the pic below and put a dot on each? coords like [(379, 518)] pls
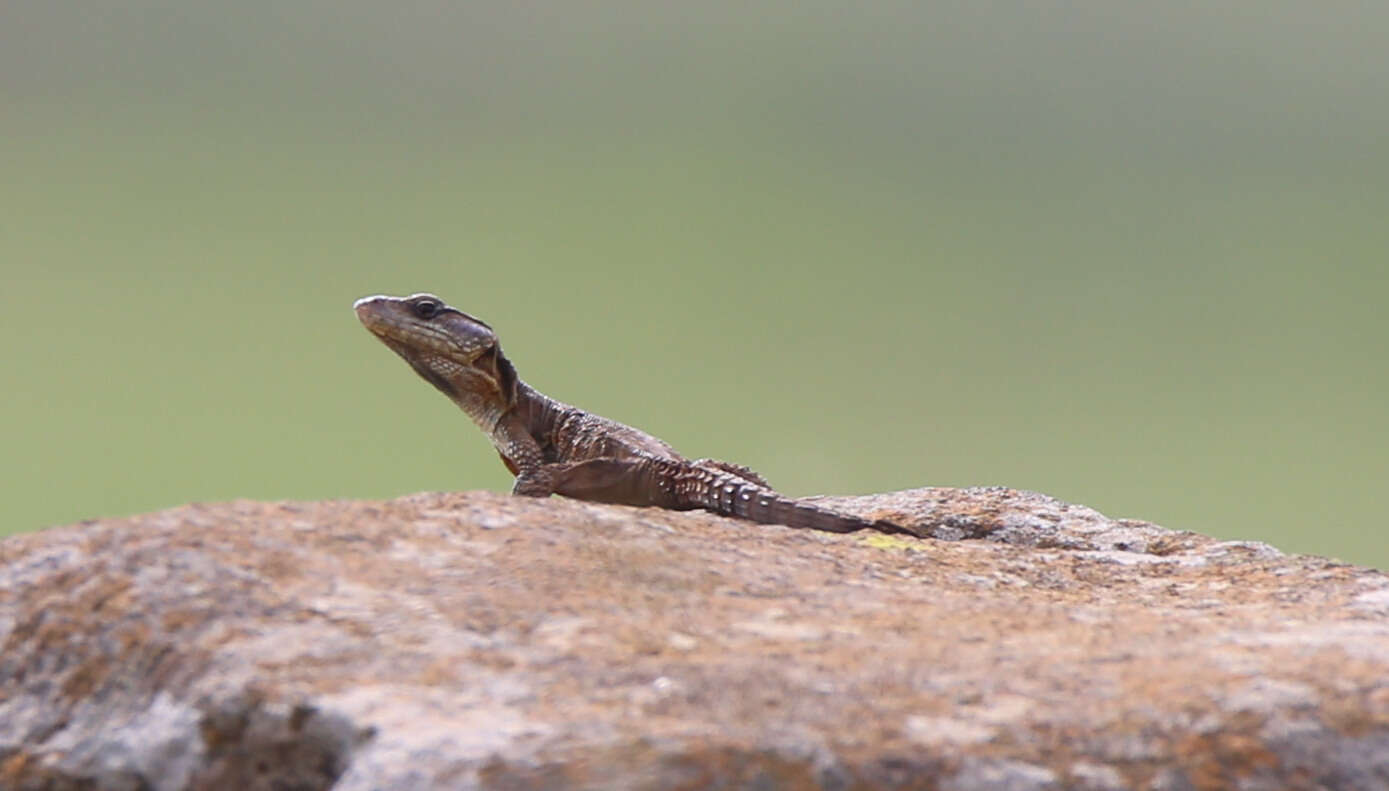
[(426, 309)]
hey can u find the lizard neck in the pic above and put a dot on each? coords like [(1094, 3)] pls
[(485, 409), (539, 413)]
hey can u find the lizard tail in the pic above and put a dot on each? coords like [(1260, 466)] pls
[(732, 495)]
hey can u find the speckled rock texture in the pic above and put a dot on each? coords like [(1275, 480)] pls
[(481, 641)]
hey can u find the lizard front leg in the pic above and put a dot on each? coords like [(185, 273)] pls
[(523, 457), (601, 480), (537, 482)]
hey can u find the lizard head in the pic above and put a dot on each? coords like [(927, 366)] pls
[(453, 351)]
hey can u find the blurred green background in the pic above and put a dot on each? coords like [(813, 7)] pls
[(1131, 255)]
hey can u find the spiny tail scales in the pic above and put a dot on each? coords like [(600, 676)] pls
[(729, 494)]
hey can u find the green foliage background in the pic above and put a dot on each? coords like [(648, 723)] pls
[(1133, 256)]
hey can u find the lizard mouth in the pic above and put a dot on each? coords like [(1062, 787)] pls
[(373, 313), (391, 320), (384, 318)]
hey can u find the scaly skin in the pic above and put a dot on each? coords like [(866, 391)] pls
[(555, 448)]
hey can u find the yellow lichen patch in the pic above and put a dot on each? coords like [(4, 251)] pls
[(882, 541)]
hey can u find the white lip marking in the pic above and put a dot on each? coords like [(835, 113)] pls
[(365, 300)]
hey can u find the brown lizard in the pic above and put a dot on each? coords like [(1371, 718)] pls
[(555, 448)]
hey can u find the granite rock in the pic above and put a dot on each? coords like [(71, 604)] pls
[(478, 640)]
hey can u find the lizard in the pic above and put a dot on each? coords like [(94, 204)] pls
[(554, 448)]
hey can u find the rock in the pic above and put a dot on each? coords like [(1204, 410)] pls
[(482, 641)]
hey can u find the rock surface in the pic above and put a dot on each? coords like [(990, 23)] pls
[(482, 641)]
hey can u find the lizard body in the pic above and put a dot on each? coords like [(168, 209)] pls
[(555, 448)]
